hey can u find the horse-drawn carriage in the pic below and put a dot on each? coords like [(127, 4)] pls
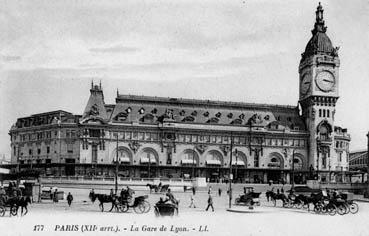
[(140, 204), (12, 205), (165, 209), (123, 202), (249, 198)]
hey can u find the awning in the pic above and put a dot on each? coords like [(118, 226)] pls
[(4, 171), (238, 163), (146, 160), (124, 159), (188, 161), (213, 162)]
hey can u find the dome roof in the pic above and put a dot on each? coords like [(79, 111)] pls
[(319, 43)]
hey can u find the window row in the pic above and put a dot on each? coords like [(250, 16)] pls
[(359, 161), (324, 113), (188, 138), (341, 144)]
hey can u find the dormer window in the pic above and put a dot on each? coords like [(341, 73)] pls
[(188, 119), (141, 111), (128, 110), (266, 117), (230, 115), (242, 116), (206, 114), (218, 115), (154, 111), (213, 120), (194, 113), (182, 113)]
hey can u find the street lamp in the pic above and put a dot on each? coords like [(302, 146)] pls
[(293, 170), (230, 173), (116, 168)]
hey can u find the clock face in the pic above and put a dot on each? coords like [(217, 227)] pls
[(305, 84), (325, 81)]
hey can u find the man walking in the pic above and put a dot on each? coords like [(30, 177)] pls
[(192, 204), (69, 199), (210, 203)]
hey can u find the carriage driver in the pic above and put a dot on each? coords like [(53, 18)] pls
[(170, 197)]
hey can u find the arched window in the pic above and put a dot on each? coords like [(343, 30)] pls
[(147, 156), (189, 157), (124, 156), (214, 158)]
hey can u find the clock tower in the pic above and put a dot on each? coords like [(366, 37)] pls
[(318, 95)]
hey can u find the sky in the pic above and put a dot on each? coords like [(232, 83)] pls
[(229, 50)]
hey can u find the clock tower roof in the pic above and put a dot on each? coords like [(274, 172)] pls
[(319, 42)]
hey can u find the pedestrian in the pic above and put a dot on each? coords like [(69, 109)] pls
[(210, 203), (209, 191), (55, 196), (219, 192), (193, 190), (69, 199), (192, 204)]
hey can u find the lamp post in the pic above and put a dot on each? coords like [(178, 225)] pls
[(236, 154), (193, 164), (293, 170), (116, 168), (230, 173), (367, 155)]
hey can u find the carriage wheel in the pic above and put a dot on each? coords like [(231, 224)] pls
[(156, 211), (14, 211), (354, 208), (332, 209), (139, 209), (347, 207), (318, 208), (2, 211), (341, 210), (237, 201), (298, 204), (147, 206)]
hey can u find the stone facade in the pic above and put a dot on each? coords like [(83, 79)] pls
[(183, 138)]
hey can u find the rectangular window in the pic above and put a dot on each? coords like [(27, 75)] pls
[(47, 149), (207, 138), (134, 135), (256, 160), (236, 140), (141, 136), (340, 156), (219, 139), (70, 147), (128, 135), (30, 152), (94, 153), (327, 113), (188, 138), (213, 139), (201, 138), (242, 140), (38, 151), (194, 138), (320, 112)]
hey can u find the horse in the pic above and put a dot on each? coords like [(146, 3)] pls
[(103, 198), (15, 203), (275, 196), (153, 186), (23, 203)]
